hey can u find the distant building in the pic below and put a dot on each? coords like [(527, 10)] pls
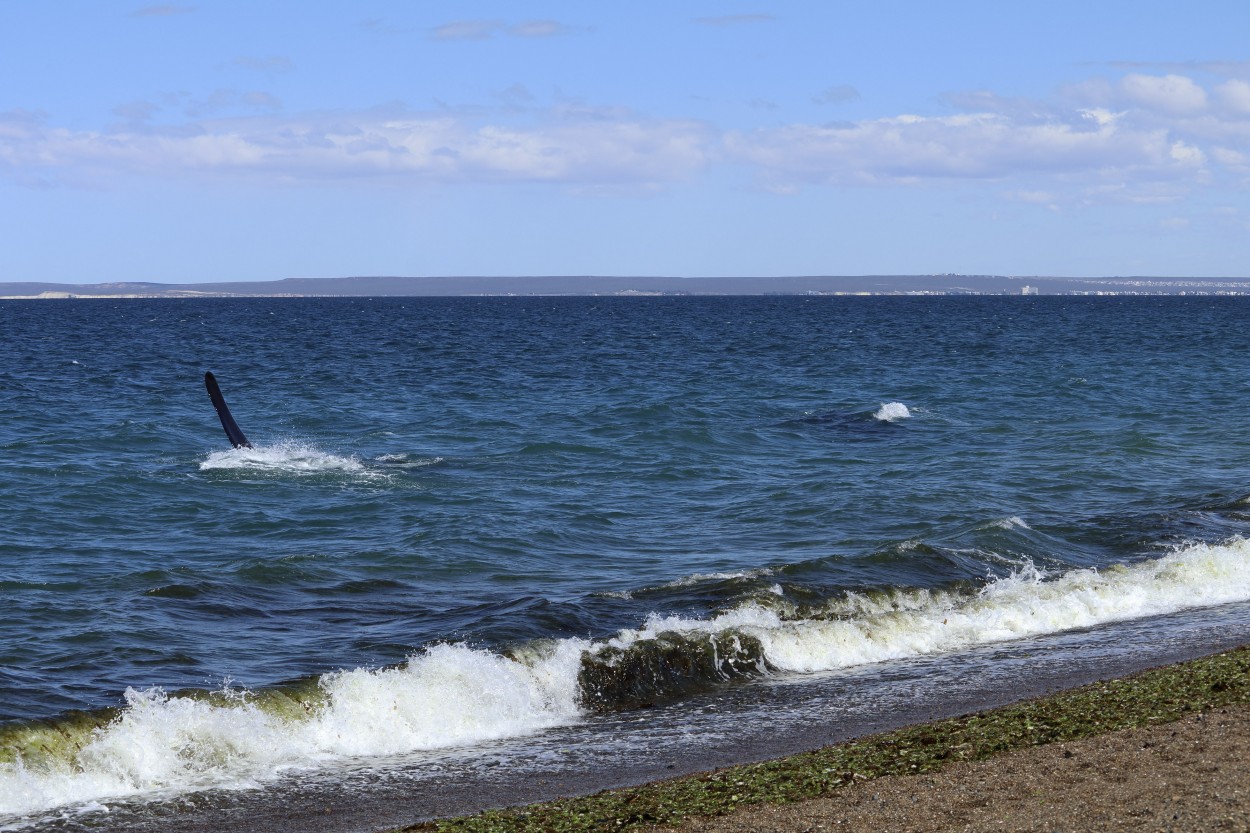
[(1028, 290)]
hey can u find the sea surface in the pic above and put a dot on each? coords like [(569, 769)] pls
[(484, 550)]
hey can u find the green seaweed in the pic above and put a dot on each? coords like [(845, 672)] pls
[(52, 743), (55, 744), (1159, 695)]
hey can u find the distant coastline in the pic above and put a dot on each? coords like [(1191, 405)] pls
[(625, 286)]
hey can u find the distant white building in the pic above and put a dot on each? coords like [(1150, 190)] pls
[(1028, 290)]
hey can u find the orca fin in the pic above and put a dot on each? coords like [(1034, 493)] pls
[(233, 432)]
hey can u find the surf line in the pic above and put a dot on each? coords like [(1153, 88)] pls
[(233, 432)]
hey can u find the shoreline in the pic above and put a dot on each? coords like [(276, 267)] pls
[(1095, 719)]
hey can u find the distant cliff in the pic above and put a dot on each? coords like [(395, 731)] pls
[(946, 284)]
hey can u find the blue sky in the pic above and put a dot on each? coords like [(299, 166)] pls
[(203, 141)]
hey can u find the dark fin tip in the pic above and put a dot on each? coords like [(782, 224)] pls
[(233, 432)]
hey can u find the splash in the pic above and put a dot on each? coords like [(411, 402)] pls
[(283, 458), (162, 744), (892, 412)]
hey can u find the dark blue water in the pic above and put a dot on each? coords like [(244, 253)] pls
[(496, 516)]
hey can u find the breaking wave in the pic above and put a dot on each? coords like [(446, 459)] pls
[(452, 694), (160, 743)]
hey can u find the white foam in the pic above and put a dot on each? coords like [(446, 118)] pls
[(700, 578), (690, 581), (446, 696), (288, 457), (404, 461), (452, 695), (892, 412), (863, 628), (456, 695)]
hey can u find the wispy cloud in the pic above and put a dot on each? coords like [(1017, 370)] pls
[(1138, 139), (224, 101), (538, 29), (1175, 95), (484, 29), (467, 30), (516, 95), (910, 148), (1142, 138), (1228, 69), (570, 151), (1140, 163), (836, 95)]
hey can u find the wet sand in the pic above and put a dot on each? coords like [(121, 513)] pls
[(1190, 775), (1167, 749)]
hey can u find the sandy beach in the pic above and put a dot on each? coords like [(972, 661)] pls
[(1190, 775), (1162, 750)]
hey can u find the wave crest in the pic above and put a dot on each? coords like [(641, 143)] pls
[(452, 694)]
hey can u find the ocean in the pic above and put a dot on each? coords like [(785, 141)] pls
[(489, 550)]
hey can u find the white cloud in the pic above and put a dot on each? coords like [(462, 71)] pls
[(406, 147), (1173, 95), (1187, 154), (1132, 193), (1101, 117), (915, 148), (1235, 96), (1235, 160), (1149, 139)]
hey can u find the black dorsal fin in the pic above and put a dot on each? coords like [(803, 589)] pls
[(233, 432)]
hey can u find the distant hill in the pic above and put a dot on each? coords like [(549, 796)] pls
[(622, 285)]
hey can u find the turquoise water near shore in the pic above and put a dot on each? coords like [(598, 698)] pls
[(469, 520)]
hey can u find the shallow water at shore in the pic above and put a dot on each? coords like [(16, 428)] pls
[(747, 722)]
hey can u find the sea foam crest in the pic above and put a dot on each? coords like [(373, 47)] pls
[(446, 696), (456, 695), (865, 628), (287, 457), (892, 412)]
